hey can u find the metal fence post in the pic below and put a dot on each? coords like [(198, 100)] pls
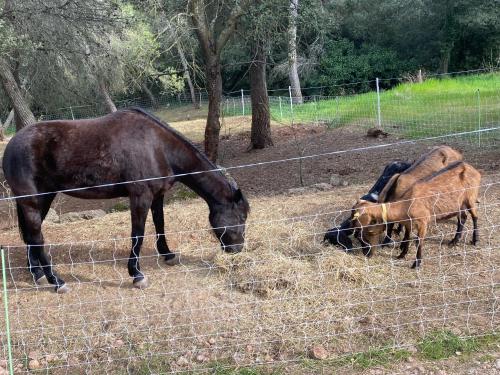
[(72, 114), (379, 121), (291, 100), (281, 109), (242, 103), (479, 117), (6, 309)]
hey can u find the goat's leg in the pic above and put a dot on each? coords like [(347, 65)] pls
[(405, 244), (388, 235), (421, 232), (461, 219), (475, 232)]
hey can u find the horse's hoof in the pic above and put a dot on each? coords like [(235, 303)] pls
[(41, 281), (141, 283), (416, 264), (452, 243), (173, 261), (63, 289)]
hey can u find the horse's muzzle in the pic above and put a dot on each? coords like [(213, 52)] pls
[(232, 249)]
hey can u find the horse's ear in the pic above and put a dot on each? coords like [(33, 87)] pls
[(238, 196)]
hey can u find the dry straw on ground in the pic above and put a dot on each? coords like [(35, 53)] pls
[(284, 293)]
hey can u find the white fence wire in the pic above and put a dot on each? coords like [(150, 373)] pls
[(287, 297)]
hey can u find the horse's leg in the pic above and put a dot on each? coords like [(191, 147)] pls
[(30, 220), (44, 202), (139, 206), (161, 240), (461, 219)]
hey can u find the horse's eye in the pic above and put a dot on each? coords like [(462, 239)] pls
[(373, 222)]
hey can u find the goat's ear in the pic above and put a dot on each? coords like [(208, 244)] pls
[(238, 196)]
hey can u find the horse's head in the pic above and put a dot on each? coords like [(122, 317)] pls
[(228, 222)]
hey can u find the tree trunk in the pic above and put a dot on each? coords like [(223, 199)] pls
[(110, 105), (152, 99), (292, 53), (214, 88), (261, 118), (22, 110), (445, 60), (6, 124), (187, 76)]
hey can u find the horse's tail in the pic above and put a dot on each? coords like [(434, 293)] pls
[(21, 221)]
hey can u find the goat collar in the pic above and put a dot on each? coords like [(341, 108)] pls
[(384, 213)]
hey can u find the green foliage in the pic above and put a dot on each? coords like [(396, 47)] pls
[(343, 62)]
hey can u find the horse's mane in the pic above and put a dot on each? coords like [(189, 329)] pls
[(166, 126), (180, 136)]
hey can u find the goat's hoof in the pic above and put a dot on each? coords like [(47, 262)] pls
[(474, 243), (401, 256), (452, 243), (416, 264), (141, 283), (62, 289), (42, 281), (173, 261)]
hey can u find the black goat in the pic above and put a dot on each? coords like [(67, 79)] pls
[(340, 235)]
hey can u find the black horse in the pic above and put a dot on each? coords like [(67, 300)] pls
[(96, 158), (340, 235)]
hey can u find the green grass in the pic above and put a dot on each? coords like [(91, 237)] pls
[(415, 110), (435, 346), (371, 358), (444, 344)]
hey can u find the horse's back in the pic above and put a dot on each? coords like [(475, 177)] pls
[(69, 154)]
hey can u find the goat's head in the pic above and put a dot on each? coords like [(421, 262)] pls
[(367, 220)]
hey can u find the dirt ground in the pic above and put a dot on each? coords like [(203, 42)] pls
[(268, 306)]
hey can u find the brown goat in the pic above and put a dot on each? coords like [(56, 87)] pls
[(452, 191), (434, 160)]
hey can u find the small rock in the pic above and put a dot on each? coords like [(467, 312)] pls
[(458, 353), (322, 186), (335, 180), (182, 361), (300, 190), (83, 215), (497, 364), (34, 355), (118, 343), (34, 364), (201, 358), (410, 359), (4, 363), (51, 358), (249, 348), (211, 341), (268, 358), (52, 216), (367, 320), (92, 214), (318, 352)]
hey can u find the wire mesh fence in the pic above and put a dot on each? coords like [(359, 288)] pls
[(288, 299), (273, 305)]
